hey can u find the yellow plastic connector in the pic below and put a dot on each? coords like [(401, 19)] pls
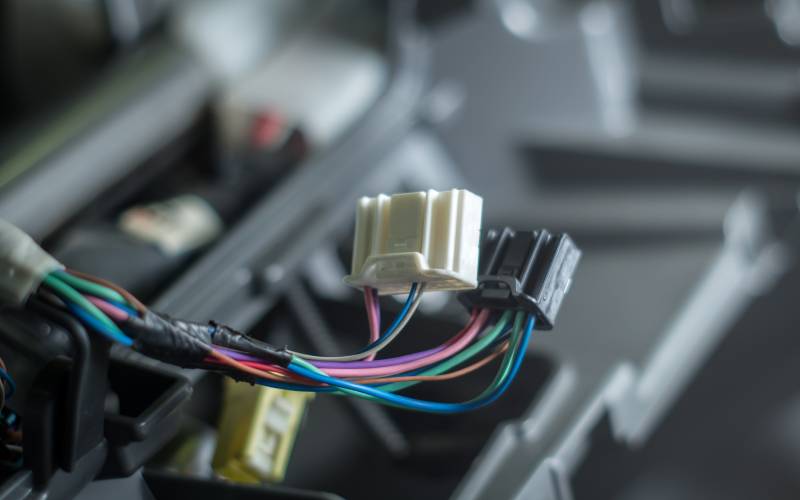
[(257, 431)]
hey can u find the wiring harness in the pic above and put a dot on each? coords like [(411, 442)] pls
[(523, 280), (116, 314)]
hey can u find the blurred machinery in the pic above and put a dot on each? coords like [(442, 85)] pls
[(207, 156)]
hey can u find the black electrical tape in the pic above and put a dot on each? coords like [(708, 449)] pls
[(187, 343), (225, 336), (239, 376), (161, 338)]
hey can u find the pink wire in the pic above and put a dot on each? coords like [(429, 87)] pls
[(463, 339), (373, 317), (398, 359), (113, 311)]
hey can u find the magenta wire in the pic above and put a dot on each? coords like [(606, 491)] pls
[(373, 317), (376, 307), (396, 360), (111, 310), (240, 356), (378, 362), (463, 340)]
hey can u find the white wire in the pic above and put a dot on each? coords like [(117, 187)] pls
[(385, 342)]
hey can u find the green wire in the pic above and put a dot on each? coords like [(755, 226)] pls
[(309, 366), (89, 287), (501, 375), (67, 292), (508, 359), (459, 358)]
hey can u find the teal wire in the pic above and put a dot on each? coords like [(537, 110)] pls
[(92, 322), (499, 389)]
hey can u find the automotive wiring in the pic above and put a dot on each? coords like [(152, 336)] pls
[(117, 315)]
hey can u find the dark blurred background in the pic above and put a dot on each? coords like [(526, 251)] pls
[(207, 155)]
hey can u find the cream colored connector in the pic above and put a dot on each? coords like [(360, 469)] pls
[(426, 237), (257, 431), (23, 264)]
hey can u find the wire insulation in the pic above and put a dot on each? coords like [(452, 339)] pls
[(400, 322), (464, 339), (97, 325), (129, 297), (89, 287), (110, 309), (86, 311), (306, 370), (373, 317), (438, 378)]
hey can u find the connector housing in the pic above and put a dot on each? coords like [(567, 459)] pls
[(23, 264), (525, 270), (426, 237), (257, 431)]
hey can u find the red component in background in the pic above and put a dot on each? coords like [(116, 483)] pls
[(267, 129)]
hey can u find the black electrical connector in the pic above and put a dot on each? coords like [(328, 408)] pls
[(524, 270)]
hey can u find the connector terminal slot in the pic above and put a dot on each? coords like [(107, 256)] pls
[(525, 270)]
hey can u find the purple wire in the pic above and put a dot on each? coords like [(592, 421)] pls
[(378, 362), (240, 356)]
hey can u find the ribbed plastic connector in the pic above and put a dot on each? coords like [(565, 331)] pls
[(525, 270), (257, 431), (426, 237)]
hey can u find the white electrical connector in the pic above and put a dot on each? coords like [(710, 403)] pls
[(426, 237), (23, 264)]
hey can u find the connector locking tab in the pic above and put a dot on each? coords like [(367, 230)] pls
[(524, 270)]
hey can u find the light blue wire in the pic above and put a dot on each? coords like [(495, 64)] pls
[(422, 405), (88, 319)]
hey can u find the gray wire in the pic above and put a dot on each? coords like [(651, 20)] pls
[(361, 355)]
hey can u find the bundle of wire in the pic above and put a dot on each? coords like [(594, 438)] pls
[(115, 313)]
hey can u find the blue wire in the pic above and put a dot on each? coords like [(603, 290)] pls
[(397, 320), (96, 325), (504, 335), (422, 405), (309, 388), (12, 387), (293, 387), (403, 313)]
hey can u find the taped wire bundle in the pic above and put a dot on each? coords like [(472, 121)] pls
[(522, 282), (116, 314)]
